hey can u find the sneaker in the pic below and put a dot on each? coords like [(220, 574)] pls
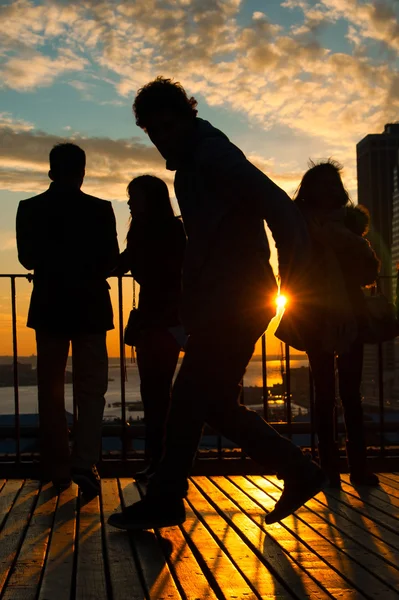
[(88, 480), (296, 493), (364, 478), (149, 514)]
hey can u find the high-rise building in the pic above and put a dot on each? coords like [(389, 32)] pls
[(377, 157)]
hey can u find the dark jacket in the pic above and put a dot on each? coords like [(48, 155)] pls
[(69, 240), (342, 263), (154, 255), (224, 200)]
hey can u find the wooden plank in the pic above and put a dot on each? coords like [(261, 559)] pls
[(157, 577), (359, 567), (391, 478), (14, 528), (225, 554), (90, 575), (273, 572), (384, 492), (384, 540), (302, 567), (378, 510), (192, 582), (25, 577), (370, 553), (7, 496), (58, 569), (124, 575)]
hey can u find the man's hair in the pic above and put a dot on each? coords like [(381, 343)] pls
[(162, 94), (66, 160)]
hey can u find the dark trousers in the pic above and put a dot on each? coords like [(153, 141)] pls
[(206, 390), (157, 356), (90, 373), (350, 367)]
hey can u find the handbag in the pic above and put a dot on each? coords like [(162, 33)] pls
[(381, 323)]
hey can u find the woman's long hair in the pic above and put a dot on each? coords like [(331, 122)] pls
[(322, 187), (157, 201)]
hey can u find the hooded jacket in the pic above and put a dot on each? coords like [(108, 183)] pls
[(224, 200)]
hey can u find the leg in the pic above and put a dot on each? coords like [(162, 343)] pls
[(323, 371), (350, 366), (157, 356), (90, 365), (207, 388), (52, 355)]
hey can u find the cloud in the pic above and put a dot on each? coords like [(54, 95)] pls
[(111, 164), (273, 76)]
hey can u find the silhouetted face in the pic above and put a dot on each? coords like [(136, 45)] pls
[(137, 202), (333, 193), (169, 132)]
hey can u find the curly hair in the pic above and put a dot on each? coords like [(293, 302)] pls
[(311, 186), (162, 93)]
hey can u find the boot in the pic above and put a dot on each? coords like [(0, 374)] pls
[(360, 473), (329, 462)]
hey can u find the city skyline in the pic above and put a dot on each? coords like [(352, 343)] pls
[(286, 81)]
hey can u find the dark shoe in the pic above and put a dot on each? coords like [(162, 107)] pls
[(88, 480), (149, 514), (144, 475), (364, 477), (62, 484), (297, 492)]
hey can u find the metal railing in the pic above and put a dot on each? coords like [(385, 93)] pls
[(126, 433)]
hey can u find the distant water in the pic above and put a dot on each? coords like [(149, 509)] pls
[(28, 394)]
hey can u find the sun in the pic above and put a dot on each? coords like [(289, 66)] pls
[(281, 301)]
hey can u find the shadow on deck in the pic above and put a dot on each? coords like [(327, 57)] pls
[(340, 545)]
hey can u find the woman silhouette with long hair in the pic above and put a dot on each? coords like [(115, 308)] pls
[(154, 255), (331, 313)]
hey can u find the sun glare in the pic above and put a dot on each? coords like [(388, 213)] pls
[(281, 301)]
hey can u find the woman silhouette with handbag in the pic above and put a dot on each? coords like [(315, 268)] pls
[(331, 317), (154, 255)]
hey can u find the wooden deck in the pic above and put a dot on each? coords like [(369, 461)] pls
[(340, 545)]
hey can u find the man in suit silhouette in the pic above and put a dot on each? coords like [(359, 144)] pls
[(69, 240)]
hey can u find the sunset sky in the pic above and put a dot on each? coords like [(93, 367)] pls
[(285, 80)]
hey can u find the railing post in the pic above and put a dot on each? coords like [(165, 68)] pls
[(381, 399), (122, 365), (312, 415), (264, 379), (15, 367), (288, 389)]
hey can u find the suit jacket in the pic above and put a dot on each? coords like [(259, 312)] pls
[(69, 240)]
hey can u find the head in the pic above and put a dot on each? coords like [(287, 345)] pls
[(165, 112), (322, 188), (149, 199), (67, 164)]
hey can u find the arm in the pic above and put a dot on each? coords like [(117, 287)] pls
[(25, 238), (240, 182), (110, 241)]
